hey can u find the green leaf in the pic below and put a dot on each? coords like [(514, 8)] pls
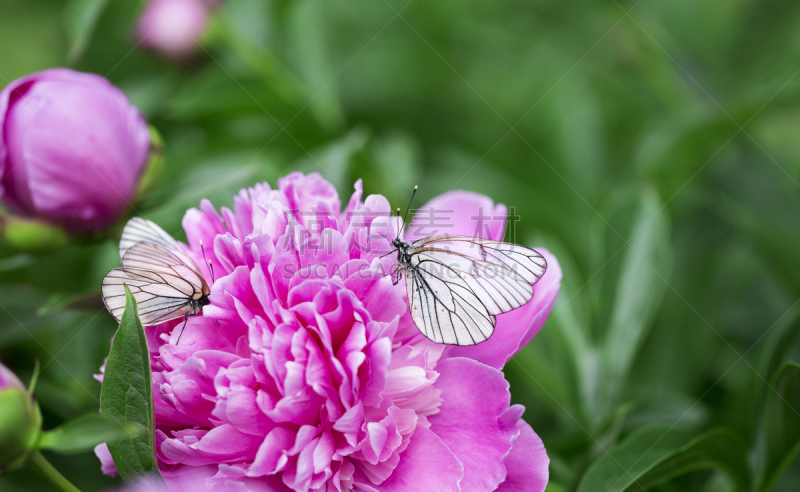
[(553, 366), (217, 177), (655, 455), (127, 395), (535, 370), (780, 346), (577, 112), (58, 302), (640, 289), (244, 27), (83, 433), (80, 18), (308, 22), (782, 422), (18, 315), (567, 350), (335, 160), (554, 487), (397, 158)]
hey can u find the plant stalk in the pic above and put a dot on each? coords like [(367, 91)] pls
[(38, 462)]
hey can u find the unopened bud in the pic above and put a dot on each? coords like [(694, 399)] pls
[(20, 421)]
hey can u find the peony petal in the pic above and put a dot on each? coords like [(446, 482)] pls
[(200, 334), (233, 295), (475, 399), (307, 194), (220, 444), (459, 212), (328, 250), (284, 265), (229, 254), (427, 465), (188, 478), (243, 413), (526, 464), (277, 442), (106, 461), (373, 375), (352, 205), (376, 293)]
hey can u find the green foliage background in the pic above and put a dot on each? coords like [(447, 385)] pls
[(652, 145)]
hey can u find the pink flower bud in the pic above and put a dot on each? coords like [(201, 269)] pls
[(72, 149), (173, 28)]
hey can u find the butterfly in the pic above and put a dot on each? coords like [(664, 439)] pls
[(457, 285), (164, 280)]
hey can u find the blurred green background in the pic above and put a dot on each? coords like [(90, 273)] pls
[(652, 145)]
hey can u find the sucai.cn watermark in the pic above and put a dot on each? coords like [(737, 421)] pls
[(310, 233), (370, 235)]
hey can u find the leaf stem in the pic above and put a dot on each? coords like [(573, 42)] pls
[(44, 468)]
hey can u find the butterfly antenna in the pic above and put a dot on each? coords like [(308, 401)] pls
[(387, 254), (399, 227), (208, 262), (185, 319), (409, 205)]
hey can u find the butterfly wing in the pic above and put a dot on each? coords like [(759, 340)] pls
[(156, 301), (446, 311), (457, 285), (526, 262), (139, 230), (163, 285), (152, 257)]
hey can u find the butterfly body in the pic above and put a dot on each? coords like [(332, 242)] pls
[(403, 257), (196, 304)]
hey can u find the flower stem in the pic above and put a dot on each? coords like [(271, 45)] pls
[(44, 468)]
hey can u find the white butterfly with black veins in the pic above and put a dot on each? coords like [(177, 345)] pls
[(164, 280), (457, 285)]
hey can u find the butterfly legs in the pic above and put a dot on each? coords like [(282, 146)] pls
[(185, 320), (399, 274)]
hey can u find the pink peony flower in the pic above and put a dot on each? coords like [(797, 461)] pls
[(306, 372)]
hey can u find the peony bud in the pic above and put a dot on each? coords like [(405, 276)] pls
[(173, 28), (20, 421), (72, 150)]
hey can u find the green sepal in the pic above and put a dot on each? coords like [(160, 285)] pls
[(32, 235), (155, 164)]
